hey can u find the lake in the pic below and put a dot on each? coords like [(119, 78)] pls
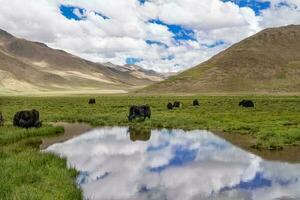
[(125, 163)]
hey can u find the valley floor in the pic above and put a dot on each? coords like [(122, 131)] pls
[(25, 173), (37, 93)]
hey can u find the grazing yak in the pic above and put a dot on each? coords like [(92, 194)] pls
[(196, 102), (170, 106), (27, 119), (177, 104), (139, 112), (92, 101), (1, 119), (247, 104)]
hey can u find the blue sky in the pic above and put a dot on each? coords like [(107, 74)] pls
[(256, 5), (179, 32), (69, 12), (133, 61), (162, 35), (76, 13)]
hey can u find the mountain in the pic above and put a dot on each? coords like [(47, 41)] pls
[(27, 66), (267, 62), (138, 72)]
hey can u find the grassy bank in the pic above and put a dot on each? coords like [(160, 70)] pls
[(273, 123), (25, 173)]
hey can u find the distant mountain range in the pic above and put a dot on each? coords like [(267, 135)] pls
[(268, 62), (138, 72), (31, 67)]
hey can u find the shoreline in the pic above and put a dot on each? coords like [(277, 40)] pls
[(245, 142)]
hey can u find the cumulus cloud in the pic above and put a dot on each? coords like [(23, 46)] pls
[(164, 35)]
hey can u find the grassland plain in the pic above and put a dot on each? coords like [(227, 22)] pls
[(25, 173)]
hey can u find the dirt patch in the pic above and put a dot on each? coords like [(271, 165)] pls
[(71, 130)]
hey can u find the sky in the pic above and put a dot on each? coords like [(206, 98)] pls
[(163, 35)]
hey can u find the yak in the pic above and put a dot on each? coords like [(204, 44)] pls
[(92, 101), (1, 119), (196, 102), (177, 104), (27, 119), (247, 103), (170, 106), (143, 111)]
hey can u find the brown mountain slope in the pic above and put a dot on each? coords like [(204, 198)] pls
[(266, 62), (32, 66)]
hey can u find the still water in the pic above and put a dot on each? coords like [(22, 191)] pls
[(124, 163)]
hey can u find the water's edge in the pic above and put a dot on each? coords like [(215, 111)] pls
[(71, 130), (287, 154)]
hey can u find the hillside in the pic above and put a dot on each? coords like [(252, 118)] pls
[(27, 66), (267, 62), (138, 72)]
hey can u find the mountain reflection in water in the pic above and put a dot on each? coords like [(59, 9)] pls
[(174, 165)]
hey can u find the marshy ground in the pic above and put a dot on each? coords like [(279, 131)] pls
[(25, 173)]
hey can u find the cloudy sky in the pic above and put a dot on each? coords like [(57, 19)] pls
[(164, 35)]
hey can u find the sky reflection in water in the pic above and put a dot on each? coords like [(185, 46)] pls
[(173, 165)]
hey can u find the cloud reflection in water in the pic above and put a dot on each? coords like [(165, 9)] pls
[(173, 165)]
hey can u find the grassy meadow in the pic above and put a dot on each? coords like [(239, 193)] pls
[(25, 173)]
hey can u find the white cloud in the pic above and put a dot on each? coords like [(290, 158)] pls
[(123, 35), (202, 15), (277, 15)]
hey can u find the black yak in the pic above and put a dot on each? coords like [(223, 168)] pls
[(196, 102), (177, 104), (92, 101), (139, 112), (170, 106), (247, 104), (27, 119), (1, 119)]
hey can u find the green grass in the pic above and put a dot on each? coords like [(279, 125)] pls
[(275, 120), (28, 174), (10, 134), (25, 173)]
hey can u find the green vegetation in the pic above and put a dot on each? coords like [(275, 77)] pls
[(27, 174), (10, 134)]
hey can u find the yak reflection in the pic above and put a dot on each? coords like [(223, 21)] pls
[(139, 134)]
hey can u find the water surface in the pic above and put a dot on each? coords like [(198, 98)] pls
[(121, 163)]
